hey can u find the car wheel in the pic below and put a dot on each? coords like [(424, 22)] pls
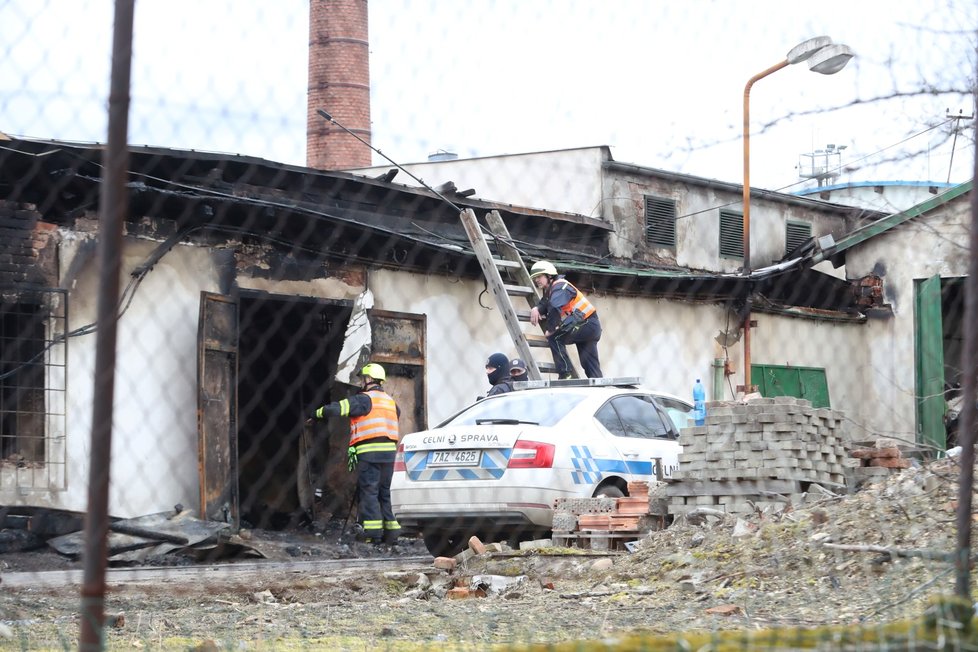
[(441, 543), (609, 491)]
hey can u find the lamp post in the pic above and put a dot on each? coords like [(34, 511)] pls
[(825, 57)]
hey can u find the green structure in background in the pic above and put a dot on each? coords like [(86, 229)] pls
[(801, 382)]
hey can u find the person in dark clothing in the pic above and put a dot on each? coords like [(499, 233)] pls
[(497, 371), (374, 433), (517, 370), (569, 319)]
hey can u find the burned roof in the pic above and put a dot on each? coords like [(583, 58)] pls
[(253, 197), (344, 216)]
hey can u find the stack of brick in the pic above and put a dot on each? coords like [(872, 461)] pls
[(877, 462), (596, 522), (569, 511), (755, 455)]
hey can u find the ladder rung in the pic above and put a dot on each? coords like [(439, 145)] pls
[(502, 262), (518, 290), (523, 315), (547, 367), (537, 340)]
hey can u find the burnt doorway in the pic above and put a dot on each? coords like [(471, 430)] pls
[(287, 355)]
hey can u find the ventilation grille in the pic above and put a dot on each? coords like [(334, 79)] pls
[(731, 235), (660, 221), (795, 235)]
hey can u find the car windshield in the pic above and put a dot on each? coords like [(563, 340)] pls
[(541, 408)]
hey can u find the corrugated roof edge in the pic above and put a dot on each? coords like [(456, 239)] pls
[(884, 224)]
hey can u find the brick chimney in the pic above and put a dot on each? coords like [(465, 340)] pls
[(339, 83)]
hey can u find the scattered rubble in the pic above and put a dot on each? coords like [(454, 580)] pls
[(796, 548)]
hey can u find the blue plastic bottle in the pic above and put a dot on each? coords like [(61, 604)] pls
[(699, 403)]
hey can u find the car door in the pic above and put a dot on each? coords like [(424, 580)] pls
[(642, 433)]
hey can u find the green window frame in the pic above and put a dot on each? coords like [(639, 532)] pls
[(660, 221), (731, 235)]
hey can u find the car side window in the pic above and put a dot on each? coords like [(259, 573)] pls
[(680, 413), (639, 417), (608, 417)]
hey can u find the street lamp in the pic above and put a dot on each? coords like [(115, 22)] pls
[(825, 57)]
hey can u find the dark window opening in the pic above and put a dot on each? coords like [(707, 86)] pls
[(32, 381)]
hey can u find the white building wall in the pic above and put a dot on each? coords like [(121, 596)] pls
[(154, 439), (567, 181), (884, 196), (698, 223), (837, 347), (927, 246), (667, 343), (155, 456)]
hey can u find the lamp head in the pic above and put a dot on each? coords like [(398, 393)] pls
[(806, 49), (831, 59)]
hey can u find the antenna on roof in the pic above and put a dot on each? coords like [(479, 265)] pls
[(822, 165), (958, 118), (393, 162)]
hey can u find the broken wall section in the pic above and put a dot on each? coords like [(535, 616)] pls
[(763, 453)]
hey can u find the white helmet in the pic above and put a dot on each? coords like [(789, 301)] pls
[(542, 267)]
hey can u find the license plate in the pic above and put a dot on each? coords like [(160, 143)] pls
[(454, 458)]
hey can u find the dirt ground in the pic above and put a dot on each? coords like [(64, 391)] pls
[(872, 557)]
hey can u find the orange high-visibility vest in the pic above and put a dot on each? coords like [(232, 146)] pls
[(579, 302), (381, 421)]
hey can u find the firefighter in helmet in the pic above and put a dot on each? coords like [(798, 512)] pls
[(569, 318), (373, 418)]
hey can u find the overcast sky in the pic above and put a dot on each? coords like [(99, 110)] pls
[(660, 82)]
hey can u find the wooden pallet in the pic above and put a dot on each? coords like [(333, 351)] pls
[(596, 539)]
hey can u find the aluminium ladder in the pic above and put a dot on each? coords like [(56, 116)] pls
[(506, 260)]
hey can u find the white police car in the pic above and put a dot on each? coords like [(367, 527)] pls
[(495, 468)]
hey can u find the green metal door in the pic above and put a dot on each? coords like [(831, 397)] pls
[(929, 362), (808, 383)]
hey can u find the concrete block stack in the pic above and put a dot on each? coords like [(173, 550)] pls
[(750, 456)]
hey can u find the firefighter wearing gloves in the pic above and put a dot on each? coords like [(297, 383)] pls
[(373, 445), (569, 318)]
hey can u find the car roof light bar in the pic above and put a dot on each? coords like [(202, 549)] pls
[(626, 381)]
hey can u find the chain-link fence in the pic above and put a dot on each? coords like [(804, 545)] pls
[(272, 399)]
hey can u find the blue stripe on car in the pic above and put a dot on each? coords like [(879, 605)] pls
[(587, 468)]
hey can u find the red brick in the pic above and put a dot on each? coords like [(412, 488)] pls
[(476, 545), (890, 462), (445, 563), (873, 453), (459, 593), (633, 505), (339, 83), (638, 488)]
